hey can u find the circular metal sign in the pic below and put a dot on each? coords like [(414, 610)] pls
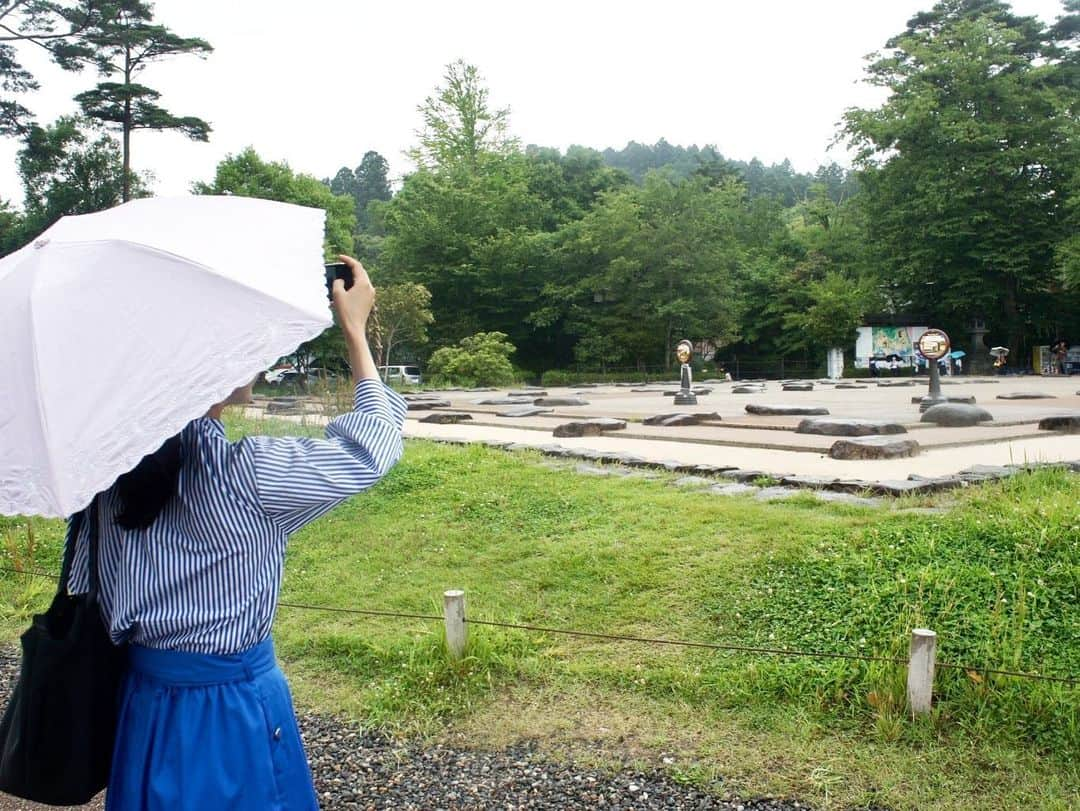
[(933, 344), (684, 351)]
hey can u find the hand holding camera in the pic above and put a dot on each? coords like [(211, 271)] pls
[(351, 294)]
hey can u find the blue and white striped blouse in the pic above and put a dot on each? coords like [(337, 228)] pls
[(205, 576)]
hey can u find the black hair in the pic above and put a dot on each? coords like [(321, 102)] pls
[(148, 487)]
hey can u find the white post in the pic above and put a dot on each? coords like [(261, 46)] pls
[(454, 618), (920, 678), (835, 363)]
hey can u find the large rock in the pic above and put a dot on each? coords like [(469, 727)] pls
[(1068, 423), (798, 387), (502, 401), (1026, 395), (841, 427), (524, 411), (560, 401), (785, 410), (446, 418), (873, 447), (593, 427), (956, 415), (680, 418), (751, 389), (427, 405)]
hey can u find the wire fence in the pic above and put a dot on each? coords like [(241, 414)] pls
[(718, 646)]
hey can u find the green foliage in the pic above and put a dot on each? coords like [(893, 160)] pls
[(59, 28), (480, 360), (460, 129), (65, 170), (367, 183), (836, 308), (966, 165), (403, 317)]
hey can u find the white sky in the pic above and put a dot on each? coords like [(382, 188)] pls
[(321, 82)]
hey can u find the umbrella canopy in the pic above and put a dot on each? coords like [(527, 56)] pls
[(999, 351), (958, 353), (118, 328)]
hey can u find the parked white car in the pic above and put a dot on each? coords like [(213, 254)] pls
[(408, 375)]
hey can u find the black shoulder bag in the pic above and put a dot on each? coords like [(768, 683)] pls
[(56, 736)]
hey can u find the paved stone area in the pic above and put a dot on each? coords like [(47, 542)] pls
[(768, 443)]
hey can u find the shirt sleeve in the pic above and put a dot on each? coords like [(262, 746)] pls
[(299, 479)]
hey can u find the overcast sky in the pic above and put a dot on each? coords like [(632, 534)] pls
[(321, 82)]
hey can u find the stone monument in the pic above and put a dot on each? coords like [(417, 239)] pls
[(684, 351), (933, 345)]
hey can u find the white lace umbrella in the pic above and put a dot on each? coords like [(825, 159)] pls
[(117, 328)]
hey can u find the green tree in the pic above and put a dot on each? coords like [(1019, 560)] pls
[(966, 166), (66, 170), (56, 27), (459, 126), (125, 42), (834, 308), (368, 182), (403, 317)]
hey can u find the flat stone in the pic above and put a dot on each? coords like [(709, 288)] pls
[(446, 418), (527, 393), (732, 489), (888, 384), (841, 427), (873, 447), (693, 481), (425, 405), (740, 475), (591, 470), (807, 482), (849, 498), (713, 470), (964, 400), (593, 427), (988, 472), (956, 415), (1026, 395), (1067, 423), (774, 493), (524, 411), (847, 386), (588, 385), (899, 487), (785, 410), (798, 387), (681, 418), (559, 401), (504, 401), (748, 390)]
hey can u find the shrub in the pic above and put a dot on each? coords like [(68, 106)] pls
[(480, 360)]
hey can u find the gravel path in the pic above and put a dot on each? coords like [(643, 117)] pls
[(355, 769)]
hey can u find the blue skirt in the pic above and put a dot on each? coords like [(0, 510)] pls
[(200, 732)]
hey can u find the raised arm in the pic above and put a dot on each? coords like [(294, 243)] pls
[(300, 479)]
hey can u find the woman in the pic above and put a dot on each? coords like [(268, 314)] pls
[(191, 545)]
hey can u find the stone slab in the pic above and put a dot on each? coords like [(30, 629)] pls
[(1066, 423), (426, 405), (446, 418), (956, 415), (779, 410), (873, 447), (679, 418), (798, 387), (560, 401), (1025, 395), (524, 411), (748, 390), (839, 427), (528, 393), (593, 427), (850, 386), (963, 400), (504, 401)]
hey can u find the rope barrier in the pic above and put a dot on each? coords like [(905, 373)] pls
[(639, 639)]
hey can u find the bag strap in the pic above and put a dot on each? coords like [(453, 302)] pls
[(85, 516)]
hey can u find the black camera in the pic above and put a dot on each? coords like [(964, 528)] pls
[(337, 270)]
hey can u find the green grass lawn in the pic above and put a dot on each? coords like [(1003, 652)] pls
[(997, 575)]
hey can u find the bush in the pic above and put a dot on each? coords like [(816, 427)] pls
[(479, 360)]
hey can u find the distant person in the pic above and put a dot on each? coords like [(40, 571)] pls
[(1059, 352), (959, 365)]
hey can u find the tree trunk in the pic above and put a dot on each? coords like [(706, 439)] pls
[(1012, 321), (126, 192)]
